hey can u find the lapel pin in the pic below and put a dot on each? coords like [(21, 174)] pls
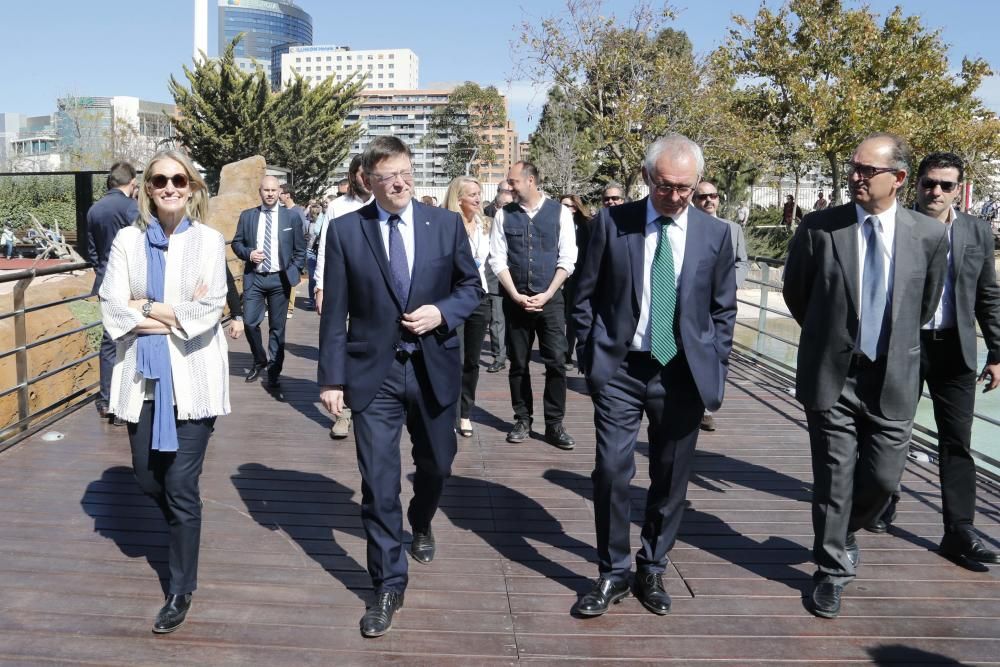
[(427, 222)]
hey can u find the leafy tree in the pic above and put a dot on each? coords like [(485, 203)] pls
[(633, 81), (465, 122), (828, 76), (227, 115)]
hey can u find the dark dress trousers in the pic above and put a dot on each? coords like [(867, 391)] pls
[(386, 387), (106, 217), (269, 291), (625, 384), (949, 365), (859, 412)]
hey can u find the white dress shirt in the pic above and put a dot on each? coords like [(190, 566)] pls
[(338, 207), (677, 235), (944, 316), (405, 229), (479, 243), (261, 229), (566, 251)]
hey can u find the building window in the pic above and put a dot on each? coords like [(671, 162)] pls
[(308, 59), (298, 60)]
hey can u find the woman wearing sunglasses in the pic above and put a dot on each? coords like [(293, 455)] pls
[(162, 301)]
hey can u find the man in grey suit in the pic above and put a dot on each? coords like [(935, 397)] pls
[(706, 198), (948, 363), (860, 280), (654, 314)]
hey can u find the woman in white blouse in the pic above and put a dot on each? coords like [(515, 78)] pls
[(162, 301), (464, 196)]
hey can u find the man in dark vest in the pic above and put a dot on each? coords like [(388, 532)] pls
[(115, 210), (532, 252)]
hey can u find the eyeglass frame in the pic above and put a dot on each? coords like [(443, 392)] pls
[(164, 179), (700, 196), (389, 179), (665, 189), (952, 185), (856, 168)]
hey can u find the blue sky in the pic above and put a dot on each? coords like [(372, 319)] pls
[(54, 47)]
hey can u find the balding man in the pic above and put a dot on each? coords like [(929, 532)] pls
[(270, 240), (860, 280)]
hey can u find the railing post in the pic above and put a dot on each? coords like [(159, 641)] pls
[(21, 354), (765, 279), (84, 193)]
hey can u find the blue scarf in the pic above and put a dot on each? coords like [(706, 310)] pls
[(153, 353)]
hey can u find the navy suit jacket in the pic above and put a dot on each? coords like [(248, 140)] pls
[(113, 212), (609, 293), (291, 244), (357, 283)]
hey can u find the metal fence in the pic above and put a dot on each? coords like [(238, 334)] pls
[(771, 340), (28, 420)]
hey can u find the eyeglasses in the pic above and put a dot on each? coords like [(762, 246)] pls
[(866, 171), (391, 178), (160, 181), (707, 195), (930, 184), (667, 188), (613, 198)]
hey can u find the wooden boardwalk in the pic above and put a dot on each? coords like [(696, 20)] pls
[(283, 582)]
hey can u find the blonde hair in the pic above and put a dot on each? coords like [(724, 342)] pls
[(197, 205), (453, 193)]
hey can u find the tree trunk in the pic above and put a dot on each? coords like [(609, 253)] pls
[(835, 179)]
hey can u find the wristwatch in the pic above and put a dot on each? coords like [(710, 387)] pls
[(147, 308)]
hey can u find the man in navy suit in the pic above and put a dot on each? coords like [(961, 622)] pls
[(655, 311), (404, 274), (270, 240), (114, 211)]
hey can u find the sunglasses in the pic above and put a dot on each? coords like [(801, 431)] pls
[(160, 181), (930, 184), (866, 171), (707, 195), (614, 198)]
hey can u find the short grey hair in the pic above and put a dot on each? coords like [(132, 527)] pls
[(901, 155), (613, 185), (673, 145)]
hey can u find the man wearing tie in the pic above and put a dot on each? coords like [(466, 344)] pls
[(860, 280), (404, 275), (655, 311), (270, 242), (948, 364)]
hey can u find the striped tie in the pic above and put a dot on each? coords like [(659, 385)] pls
[(266, 264), (662, 298)]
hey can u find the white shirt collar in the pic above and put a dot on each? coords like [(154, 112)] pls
[(405, 216), (886, 217), (652, 214)]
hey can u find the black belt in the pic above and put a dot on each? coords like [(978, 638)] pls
[(404, 355), (937, 335)]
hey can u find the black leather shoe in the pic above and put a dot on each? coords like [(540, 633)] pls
[(520, 432), (853, 552), (254, 373), (557, 436), (826, 600), (171, 616), (378, 618), (966, 544), (422, 546), (884, 520), (604, 593), (649, 589), (496, 367)]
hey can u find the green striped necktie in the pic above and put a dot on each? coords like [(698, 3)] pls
[(663, 298)]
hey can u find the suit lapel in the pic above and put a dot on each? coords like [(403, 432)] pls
[(959, 232), (373, 233), (694, 246), (633, 228), (845, 244), (905, 247)]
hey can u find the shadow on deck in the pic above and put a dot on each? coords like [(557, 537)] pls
[(282, 577)]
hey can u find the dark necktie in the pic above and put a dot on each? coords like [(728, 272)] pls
[(873, 296), (398, 265), (662, 298), (266, 264)]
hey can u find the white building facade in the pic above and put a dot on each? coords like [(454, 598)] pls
[(383, 69)]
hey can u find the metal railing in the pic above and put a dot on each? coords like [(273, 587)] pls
[(29, 421), (925, 437)]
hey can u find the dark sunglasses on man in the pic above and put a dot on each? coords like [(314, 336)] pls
[(613, 198), (705, 196), (930, 184)]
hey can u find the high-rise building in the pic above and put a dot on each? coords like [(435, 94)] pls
[(383, 69), (406, 114), (268, 28)]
